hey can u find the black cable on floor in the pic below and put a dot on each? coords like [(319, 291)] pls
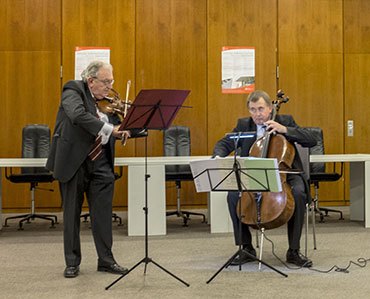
[(361, 262)]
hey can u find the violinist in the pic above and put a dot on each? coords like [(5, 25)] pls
[(259, 106), (81, 158)]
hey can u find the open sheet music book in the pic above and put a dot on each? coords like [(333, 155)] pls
[(257, 174)]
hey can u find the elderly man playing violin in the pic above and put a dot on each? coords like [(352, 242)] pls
[(259, 106), (81, 158)]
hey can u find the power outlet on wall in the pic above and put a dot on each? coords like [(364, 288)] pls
[(350, 128)]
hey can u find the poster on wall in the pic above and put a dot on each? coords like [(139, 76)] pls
[(85, 55), (238, 69)]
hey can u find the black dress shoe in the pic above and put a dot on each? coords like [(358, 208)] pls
[(293, 256), (245, 257), (70, 272), (114, 268)]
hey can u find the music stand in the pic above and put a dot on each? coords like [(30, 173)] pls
[(152, 109), (257, 183)]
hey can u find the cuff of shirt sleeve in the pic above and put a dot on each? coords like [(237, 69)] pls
[(106, 131)]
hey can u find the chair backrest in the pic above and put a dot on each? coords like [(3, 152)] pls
[(318, 149), (35, 144), (176, 142), (304, 154)]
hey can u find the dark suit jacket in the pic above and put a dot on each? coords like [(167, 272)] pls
[(295, 134), (75, 131)]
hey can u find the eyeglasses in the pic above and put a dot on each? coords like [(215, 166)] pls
[(106, 81)]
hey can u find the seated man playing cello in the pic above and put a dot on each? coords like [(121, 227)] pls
[(260, 108)]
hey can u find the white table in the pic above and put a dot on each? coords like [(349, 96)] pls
[(156, 192), (359, 192), (219, 218), (136, 188), (359, 185)]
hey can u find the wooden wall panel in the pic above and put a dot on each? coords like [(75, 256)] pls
[(30, 56), (356, 26), (244, 23), (170, 54), (101, 23), (357, 75), (310, 26), (311, 72), (323, 53), (30, 25), (357, 82)]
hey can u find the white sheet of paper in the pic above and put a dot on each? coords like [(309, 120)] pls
[(217, 174), (85, 55)]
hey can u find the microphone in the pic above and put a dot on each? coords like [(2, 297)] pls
[(241, 135)]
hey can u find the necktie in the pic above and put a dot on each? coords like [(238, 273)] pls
[(97, 149)]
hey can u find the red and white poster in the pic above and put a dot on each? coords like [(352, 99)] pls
[(238, 69), (85, 55)]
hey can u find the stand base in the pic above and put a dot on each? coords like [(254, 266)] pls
[(185, 215), (147, 260), (239, 251), (32, 216)]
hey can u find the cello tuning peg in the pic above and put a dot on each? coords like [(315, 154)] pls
[(280, 93)]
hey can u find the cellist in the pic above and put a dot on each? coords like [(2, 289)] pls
[(259, 105)]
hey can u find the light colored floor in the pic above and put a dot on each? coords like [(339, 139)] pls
[(32, 264)]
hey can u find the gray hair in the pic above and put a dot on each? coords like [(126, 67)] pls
[(256, 95), (93, 68)]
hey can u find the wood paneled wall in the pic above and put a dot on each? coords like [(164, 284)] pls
[(311, 72), (321, 47), (170, 54), (110, 24), (238, 23), (30, 55)]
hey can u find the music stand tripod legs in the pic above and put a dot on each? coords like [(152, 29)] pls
[(237, 171), (146, 259), (152, 109)]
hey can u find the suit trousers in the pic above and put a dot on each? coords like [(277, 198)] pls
[(295, 223), (96, 180)]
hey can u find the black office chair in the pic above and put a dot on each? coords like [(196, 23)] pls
[(114, 215), (176, 142), (35, 144), (318, 173)]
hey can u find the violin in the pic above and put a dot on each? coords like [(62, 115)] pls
[(270, 210), (112, 104)]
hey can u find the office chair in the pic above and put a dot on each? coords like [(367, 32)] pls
[(176, 142), (318, 173), (35, 144)]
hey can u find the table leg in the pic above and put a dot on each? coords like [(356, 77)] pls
[(357, 191), (156, 200)]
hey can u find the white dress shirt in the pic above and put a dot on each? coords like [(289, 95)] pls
[(107, 128), (260, 131)]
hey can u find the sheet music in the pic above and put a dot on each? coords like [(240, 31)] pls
[(218, 175), (198, 169)]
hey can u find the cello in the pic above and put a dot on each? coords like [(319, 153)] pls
[(270, 210)]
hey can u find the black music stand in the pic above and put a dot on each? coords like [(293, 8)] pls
[(260, 185), (152, 109)]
